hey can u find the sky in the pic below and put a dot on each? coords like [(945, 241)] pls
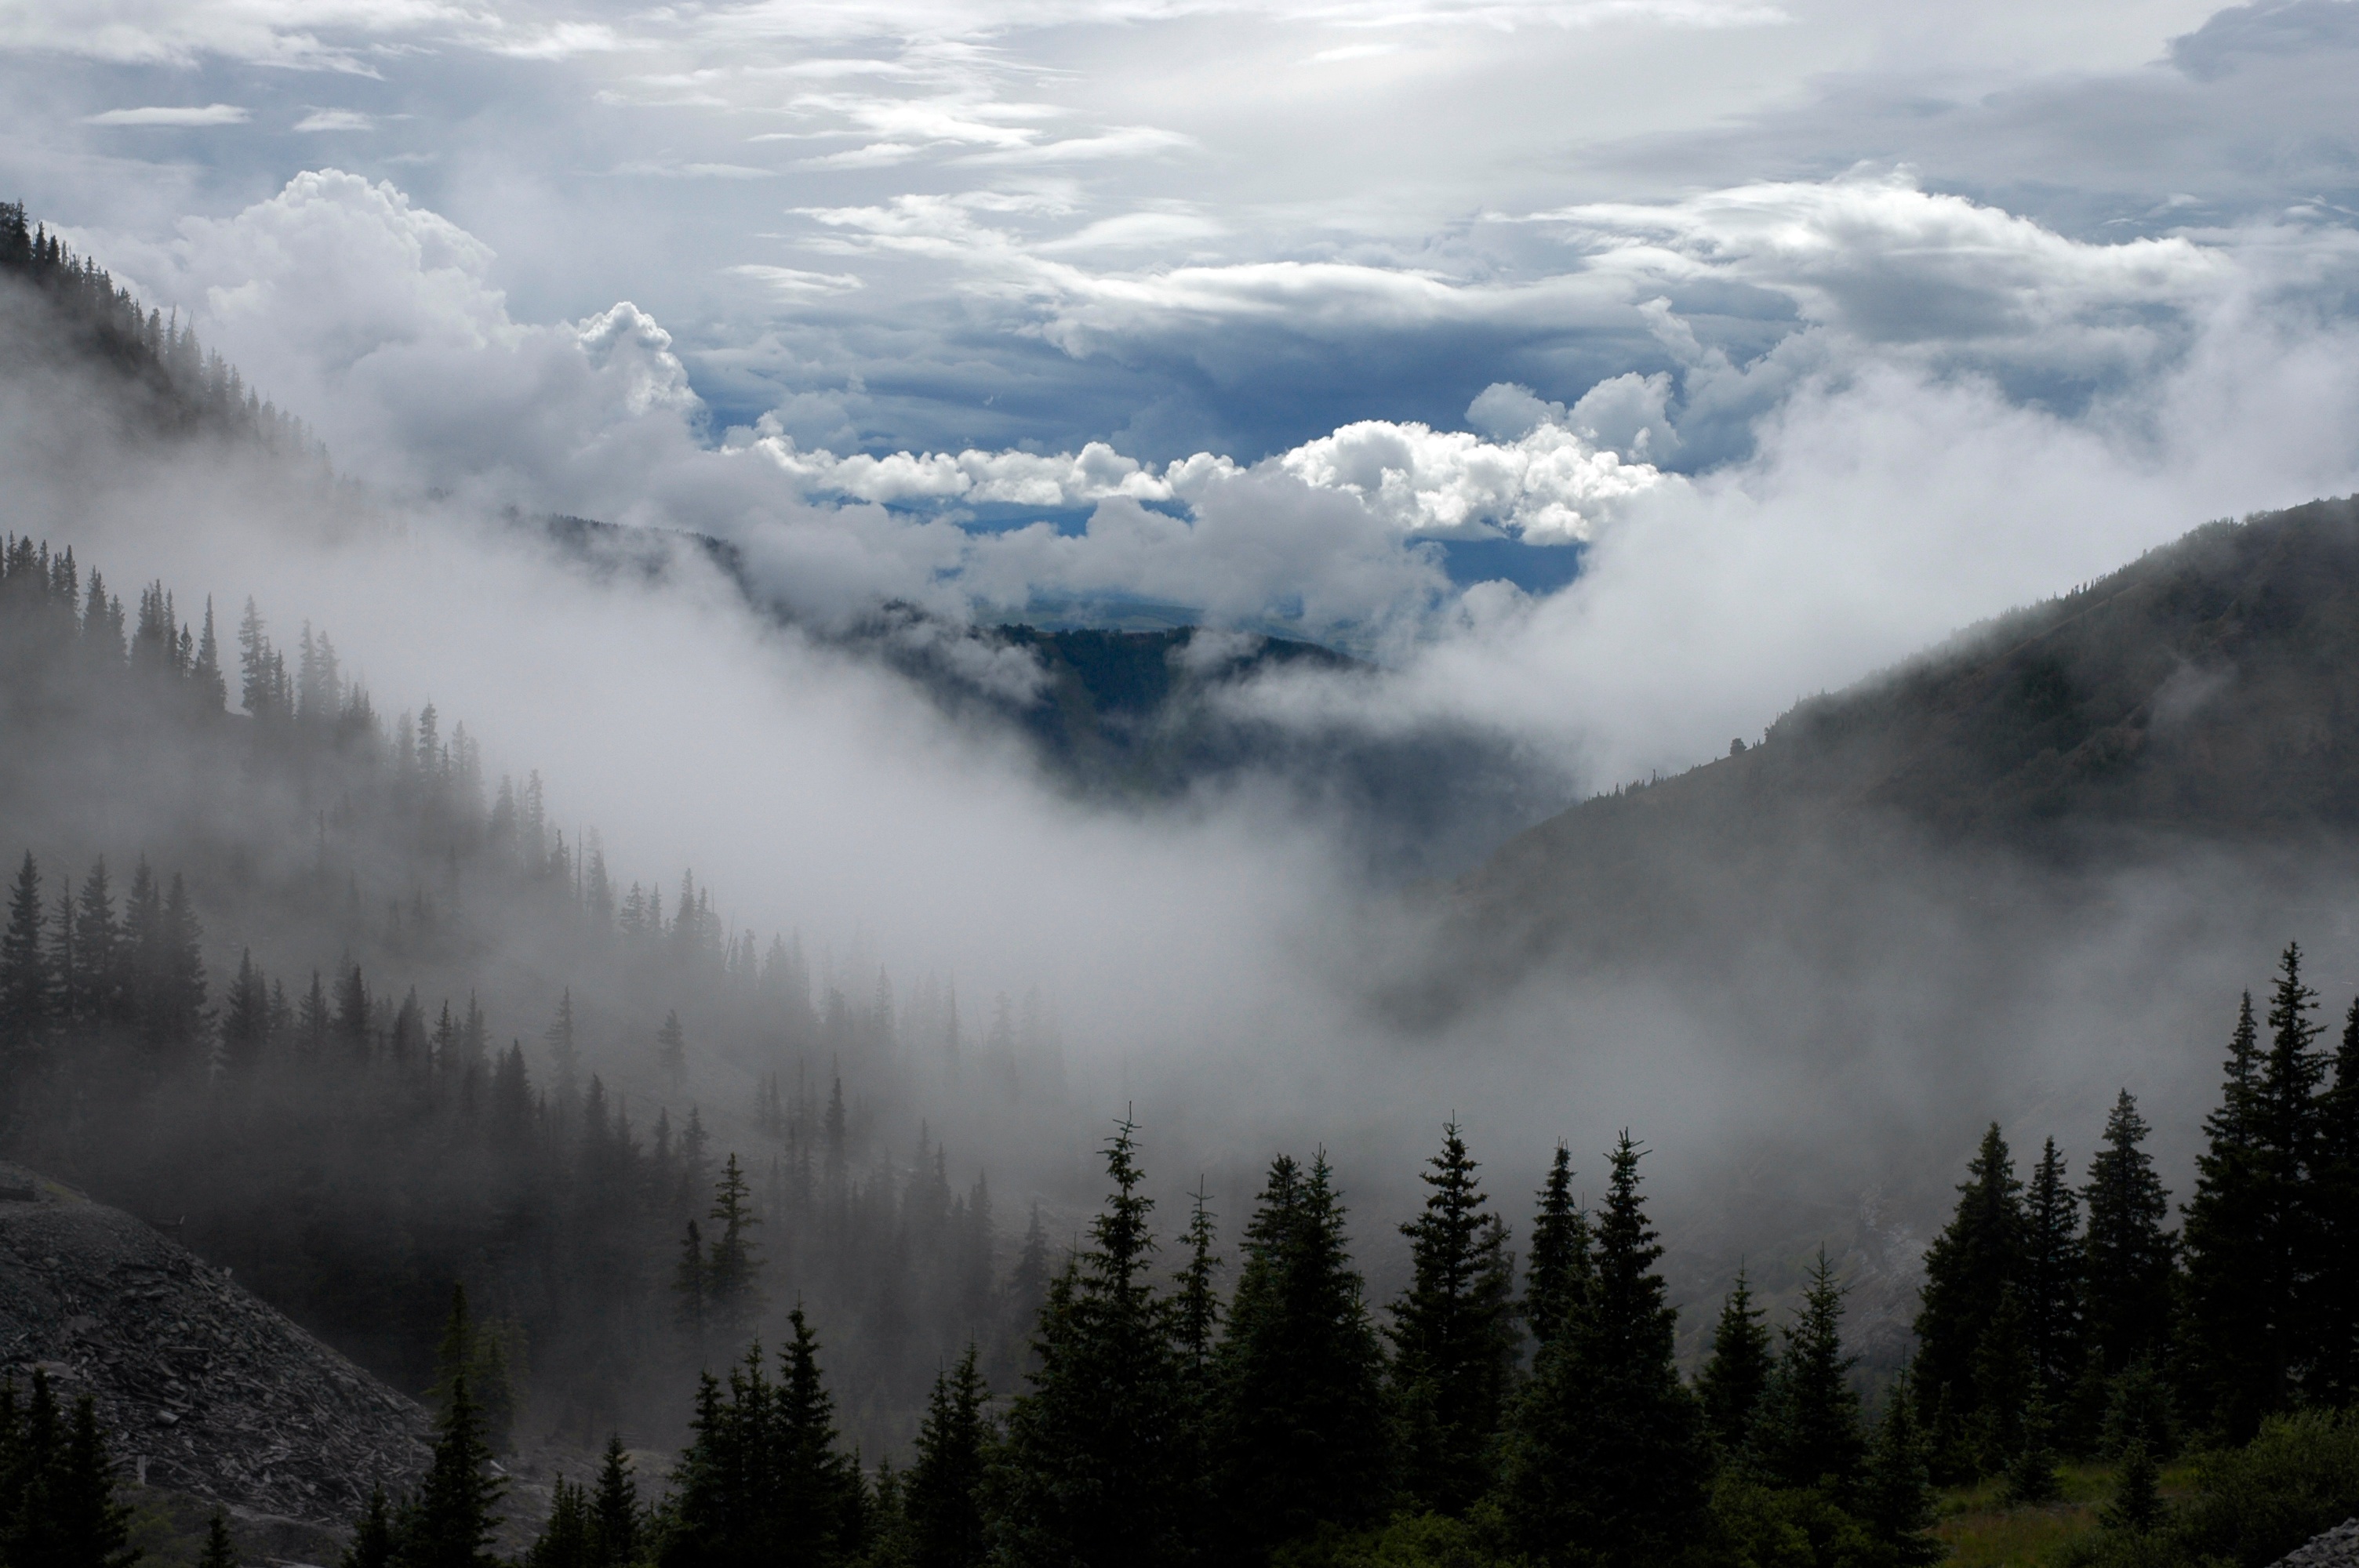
[(1615, 370)]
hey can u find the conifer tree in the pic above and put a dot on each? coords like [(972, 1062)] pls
[(1809, 1435), (2137, 1505), (2052, 1267), (689, 1284), (2336, 1291), (1300, 1436), (98, 941), (1197, 1304), (615, 1511), (2242, 1226), (1605, 1458), (565, 1539), (1453, 1335), (1557, 1277), (2128, 1257), (2032, 1476), (24, 969), (1896, 1501), (1967, 1270), (449, 1523), (671, 1050), (815, 1492), (70, 1508), (1095, 1468), (943, 1495), (219, 1550), (732, 1268), (1735, 1373), (373, 1541)]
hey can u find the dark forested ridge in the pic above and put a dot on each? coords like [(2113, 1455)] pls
[(164, 382), (2200, 695)]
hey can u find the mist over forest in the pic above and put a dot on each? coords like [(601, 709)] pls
[(1744, 967)]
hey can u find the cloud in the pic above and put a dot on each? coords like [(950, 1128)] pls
[(336, 120), (172, 115), (790, 281)]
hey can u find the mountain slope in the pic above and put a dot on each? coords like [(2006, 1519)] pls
[(2200, 695), (204, 1389)]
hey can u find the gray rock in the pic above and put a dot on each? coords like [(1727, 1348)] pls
[(2338, 1548), (204, 1389)]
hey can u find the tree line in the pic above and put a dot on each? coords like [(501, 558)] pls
[(190, 387)]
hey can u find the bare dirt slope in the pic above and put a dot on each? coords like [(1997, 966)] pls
[(205, 1389)]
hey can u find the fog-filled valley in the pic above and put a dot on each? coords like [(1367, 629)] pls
[(413, 892)]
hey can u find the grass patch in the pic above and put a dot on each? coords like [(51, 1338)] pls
[(1983, 1531)]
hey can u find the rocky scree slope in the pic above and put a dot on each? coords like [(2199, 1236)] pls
[(204, 1389)]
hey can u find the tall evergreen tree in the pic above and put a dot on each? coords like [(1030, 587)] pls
[(373, 1541), (1809, 1433), (1199, 1302), (2052, 1271), (2248, 1232), (2335, 1292), (1558, 1276), (733, 1269), (1967, 1270), (1095, 1470), (1605, 1461), (2127, 1256), (1301, 1437), (1737, 1372), (1896, 1499), (1453, 1335), (449, 1524), (616, 1516), (25, 991), (943, 1492)]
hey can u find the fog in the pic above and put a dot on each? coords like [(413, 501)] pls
[(1810, 1061)]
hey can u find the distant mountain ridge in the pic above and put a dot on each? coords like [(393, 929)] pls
[(2204, 693)]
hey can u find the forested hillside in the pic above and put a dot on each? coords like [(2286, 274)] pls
[(2190, 708)]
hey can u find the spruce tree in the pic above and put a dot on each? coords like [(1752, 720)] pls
[(565, 1539), (2138, 1504), (2244, 1222), (449, 1523), (1896, 1501), (1809, 1433), (1736, 1371), (373, 1541), (816, 1496), (2032, 1478), (2335, 1292), (2051, 1279), (1605, 1460), (1097, 1467), (1454, 1336), (615, 1511), (81, 1524), (1558, 1276), (1968, 1268), (219, 1550), (1199, 1303), (25, 991), (943, 1495), (1301, 1438), (2128, 1257), (732, 1293)]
